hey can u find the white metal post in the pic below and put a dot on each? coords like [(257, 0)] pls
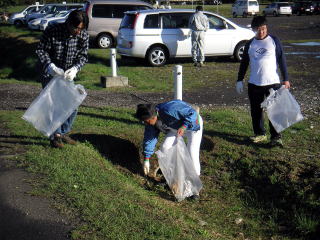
[(177, 82), (113, 62)]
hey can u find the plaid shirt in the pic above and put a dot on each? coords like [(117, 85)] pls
[(58, 46)]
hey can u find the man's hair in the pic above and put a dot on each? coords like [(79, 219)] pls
[(76, 17), (258, 21), (199, 8), (145, 111)]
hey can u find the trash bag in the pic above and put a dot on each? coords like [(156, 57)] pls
[(179, 171), (282, 109), (54, 105)]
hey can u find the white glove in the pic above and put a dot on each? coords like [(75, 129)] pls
[(146, 167), (53, 70), (239, 87), (71, 73)]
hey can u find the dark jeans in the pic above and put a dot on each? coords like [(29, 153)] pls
[(67, 125), (257, 94)]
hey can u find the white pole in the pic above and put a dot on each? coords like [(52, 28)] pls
[(113, 62), (177, 82)]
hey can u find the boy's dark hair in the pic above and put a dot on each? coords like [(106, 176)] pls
[(199, 8), (258, 21), (76, 17), (145, 111)]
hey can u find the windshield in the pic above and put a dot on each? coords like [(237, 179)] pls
[(284, 5), (128, 21), (253, 3)]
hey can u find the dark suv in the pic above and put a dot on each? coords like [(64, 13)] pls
[(302, 8)]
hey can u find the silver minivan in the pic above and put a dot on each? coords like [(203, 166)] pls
[(105, 17)]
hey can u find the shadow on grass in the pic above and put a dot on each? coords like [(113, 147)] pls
[(119, 151), (23, 140), (19, 58), (236, 139)]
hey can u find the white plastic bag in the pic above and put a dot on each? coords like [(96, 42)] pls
[(54, 105), (282, 109), (179, 171)]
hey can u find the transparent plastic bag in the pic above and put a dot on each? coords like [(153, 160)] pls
[(54, 105), (282, 109), (179, 171)]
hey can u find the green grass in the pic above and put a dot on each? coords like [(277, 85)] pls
[(274, 190)]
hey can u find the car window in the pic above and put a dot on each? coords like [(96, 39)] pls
[(215, 22), (101, 11), (152, 21), (253, 3), (175, 20), (272, 5), (283, 5)]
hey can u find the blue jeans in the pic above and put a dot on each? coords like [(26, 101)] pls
[(66, 126)]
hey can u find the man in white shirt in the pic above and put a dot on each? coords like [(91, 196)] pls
[(264, 53), (199, 24)]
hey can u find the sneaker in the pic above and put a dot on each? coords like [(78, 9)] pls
[(195, 64), (68, 140), (56, 142), (259, 138), (201, 64), (276, 142)]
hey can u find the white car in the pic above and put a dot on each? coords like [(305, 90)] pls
[(158, 35), (278, 8), (58, 18), (18, 18)]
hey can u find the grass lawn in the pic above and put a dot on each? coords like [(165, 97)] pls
[(273, 190)]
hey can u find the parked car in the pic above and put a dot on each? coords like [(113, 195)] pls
[(278, 8), (316, 7), (300, 8), (17, 18), (52, 8), (105, 17), (158, 35), (61, 17), (244, 8), (35, 23)]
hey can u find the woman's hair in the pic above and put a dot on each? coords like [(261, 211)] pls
[(258, 21), (76, 17), (199, 8), (145, 111)]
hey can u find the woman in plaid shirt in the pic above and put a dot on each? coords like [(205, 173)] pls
[(63, 50)]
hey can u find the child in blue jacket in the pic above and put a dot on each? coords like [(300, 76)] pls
[(174, 118)]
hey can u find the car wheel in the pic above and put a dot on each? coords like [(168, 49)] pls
[(18, 23), (245, 14), (234, 15), (157, 56), (238, 51), (288, 15), (275, 14), (105, 41)]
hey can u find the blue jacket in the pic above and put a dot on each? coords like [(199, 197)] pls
[(281, 60), (174, 114)]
